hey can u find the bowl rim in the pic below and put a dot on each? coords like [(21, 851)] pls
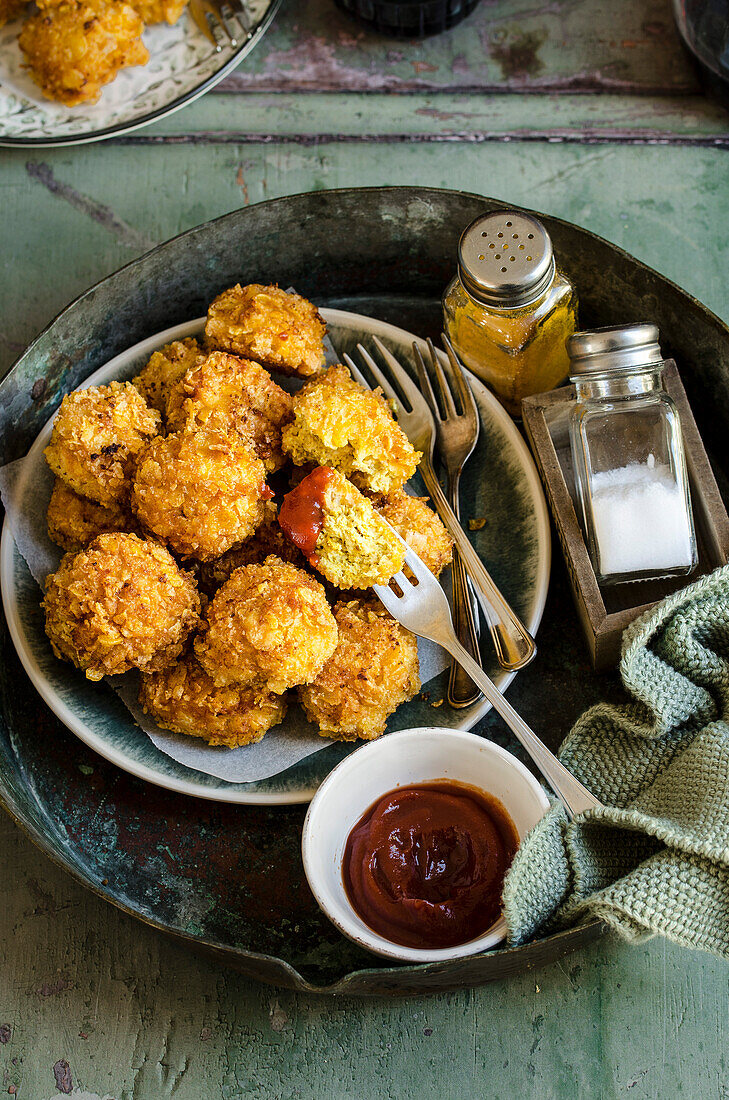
[(371, 940)]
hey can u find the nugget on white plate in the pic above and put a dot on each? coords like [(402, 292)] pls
[(184, 699), (121, 603), (230, 394), (283, 331), (269, 624), (199, 492), (96, 438), (339, 423), (371, 672), (75, 47)]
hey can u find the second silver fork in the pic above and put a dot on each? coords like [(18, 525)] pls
[(456, 435)]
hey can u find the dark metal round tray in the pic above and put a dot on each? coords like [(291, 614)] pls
[(228, 879)]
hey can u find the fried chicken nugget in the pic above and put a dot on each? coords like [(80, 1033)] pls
[(184, 699), (340, 532), (419, 526), (122, 603), (159, 11), (267, 539), (372, 671), (11, 9), (284, 332), (74, 521), (229, 394), (73, 49), (164, 369), (269, 624), (339, 423), (199, 492), (96, 438)]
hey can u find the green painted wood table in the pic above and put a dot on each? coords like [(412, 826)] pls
[(577, 108)]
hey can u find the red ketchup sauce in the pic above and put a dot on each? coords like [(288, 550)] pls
[(425, 865), (302, 510)]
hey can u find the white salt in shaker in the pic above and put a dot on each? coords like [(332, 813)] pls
[(627, 449)]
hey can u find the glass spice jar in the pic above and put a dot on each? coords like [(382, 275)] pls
[(509, 310), (628, 455)]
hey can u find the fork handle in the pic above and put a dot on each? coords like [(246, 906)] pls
[(575, 797), (462, 692), (513, 643)]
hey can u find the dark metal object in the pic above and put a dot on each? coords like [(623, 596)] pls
[(408, 18), (506, 260), (704, 29), (605, 351), (227, 879)]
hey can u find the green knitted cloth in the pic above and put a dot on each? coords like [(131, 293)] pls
[(656, 858)]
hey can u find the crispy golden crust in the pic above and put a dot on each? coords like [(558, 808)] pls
[(184, 699), (229, 394), (165, 368), (283, 331), (122, 603), (74, 521), (73, 49), (269, 624), (372, 671), (419, 526), (339, 423), (11, 9), (267, 539), (200, 492), (159, 11), (96, 438)]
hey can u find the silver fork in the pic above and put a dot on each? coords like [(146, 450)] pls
[(217, 20), (513, 643), (422, 607), (456, 434)]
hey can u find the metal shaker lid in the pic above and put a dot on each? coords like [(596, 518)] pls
[(505, 259), (623, 348)]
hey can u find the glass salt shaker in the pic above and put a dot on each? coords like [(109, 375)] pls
[(628, 455), (509, 310)]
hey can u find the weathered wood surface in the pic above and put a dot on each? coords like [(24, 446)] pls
[(92, 1003), (550, 45), (91, 1000), (73, 216)]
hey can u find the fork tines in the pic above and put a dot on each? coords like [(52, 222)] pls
[(217, 20)]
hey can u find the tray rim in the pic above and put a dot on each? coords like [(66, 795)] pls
[(537, 952), (287, 976)]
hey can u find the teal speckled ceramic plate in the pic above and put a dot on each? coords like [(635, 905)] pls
[(500, 483)]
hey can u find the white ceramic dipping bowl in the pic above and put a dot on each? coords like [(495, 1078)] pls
[(405, 759)]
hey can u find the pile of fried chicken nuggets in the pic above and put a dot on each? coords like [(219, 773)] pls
[(176, 562), (73, 47)]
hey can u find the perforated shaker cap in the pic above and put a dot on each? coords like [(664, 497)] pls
[(609, 350), (506, 259)]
